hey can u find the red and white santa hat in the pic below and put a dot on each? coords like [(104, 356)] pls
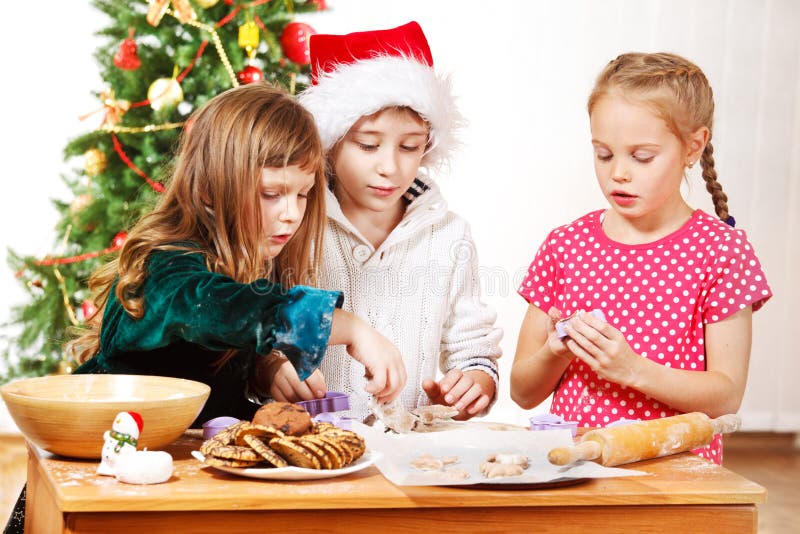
[(360, 73)]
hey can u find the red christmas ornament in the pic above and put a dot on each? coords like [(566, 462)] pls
[(119, 239), (88, 308), (249, 74), (126, 57), (321, 6), (295, 41)]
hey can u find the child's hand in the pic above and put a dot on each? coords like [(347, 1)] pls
[(286, 385), (383, 364), (603, 348), (468, 392), (557, 346)]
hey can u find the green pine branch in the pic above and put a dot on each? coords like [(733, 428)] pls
[(112, 201)]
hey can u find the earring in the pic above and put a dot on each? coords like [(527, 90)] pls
[(690, 164)]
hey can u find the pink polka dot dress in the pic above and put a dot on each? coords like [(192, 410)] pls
[(660, 295)]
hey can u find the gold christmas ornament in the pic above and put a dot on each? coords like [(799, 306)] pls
[(205, 4), (248, 38), (165, 93), (65, 367), (95, 161)]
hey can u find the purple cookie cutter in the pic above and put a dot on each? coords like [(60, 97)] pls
[(549, 421), (560, 325), (333, 402), (213, 426)]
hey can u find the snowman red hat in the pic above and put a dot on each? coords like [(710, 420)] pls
[(361, 73), (129, 423)]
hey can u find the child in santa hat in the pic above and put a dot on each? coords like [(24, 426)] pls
[(406, 264)]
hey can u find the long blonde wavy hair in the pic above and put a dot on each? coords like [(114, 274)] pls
[(678, 91), (212, 199)]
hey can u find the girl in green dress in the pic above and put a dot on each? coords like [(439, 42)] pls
[(215, 284)]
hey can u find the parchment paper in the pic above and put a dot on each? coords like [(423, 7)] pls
[(472, 444)]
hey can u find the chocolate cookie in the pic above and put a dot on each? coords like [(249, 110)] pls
[(287, 417), (295, 453)]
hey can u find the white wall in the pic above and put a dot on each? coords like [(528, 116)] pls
[(522, 75), (48, 76)]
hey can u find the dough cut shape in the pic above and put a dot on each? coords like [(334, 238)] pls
[(437, 467), (504, 465), (395, 417), (513, 459), (496, 470), (427, 462), (429, 415)]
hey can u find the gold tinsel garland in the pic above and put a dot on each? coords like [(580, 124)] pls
[(217, 44), (141, 129)]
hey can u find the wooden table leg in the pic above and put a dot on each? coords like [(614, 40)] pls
[(41, 510)]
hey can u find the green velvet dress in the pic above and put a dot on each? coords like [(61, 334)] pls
[(192, 316)]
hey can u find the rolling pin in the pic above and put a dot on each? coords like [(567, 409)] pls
[(646, 439)]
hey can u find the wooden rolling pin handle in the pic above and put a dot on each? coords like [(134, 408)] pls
[(586, 450), (726, 424)]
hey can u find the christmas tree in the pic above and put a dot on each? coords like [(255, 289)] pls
[(162, 59)]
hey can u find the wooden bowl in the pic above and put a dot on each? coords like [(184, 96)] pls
[(68, 414)]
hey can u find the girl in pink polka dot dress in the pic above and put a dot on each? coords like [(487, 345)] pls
[(677, 286)]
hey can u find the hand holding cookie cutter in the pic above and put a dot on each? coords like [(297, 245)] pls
[(561, 325)]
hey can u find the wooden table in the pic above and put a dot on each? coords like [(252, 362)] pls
[(683, 494)]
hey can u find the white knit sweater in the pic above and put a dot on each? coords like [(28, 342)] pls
[(420, 289)]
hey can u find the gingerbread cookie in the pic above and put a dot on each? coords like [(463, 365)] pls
[(284, 416), (232, 452), (265, 433), (270, 456), (294, 453)]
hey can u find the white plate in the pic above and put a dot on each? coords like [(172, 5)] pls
[(294, 473)]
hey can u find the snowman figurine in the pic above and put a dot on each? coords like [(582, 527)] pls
[(121, 439)]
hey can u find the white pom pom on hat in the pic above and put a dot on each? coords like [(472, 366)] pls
[(361, 73)]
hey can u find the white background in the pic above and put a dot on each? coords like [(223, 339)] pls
[(522, 75)]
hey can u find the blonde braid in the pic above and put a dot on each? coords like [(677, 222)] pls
[(712, 185)]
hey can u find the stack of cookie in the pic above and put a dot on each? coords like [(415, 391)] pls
[(286, 442)]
